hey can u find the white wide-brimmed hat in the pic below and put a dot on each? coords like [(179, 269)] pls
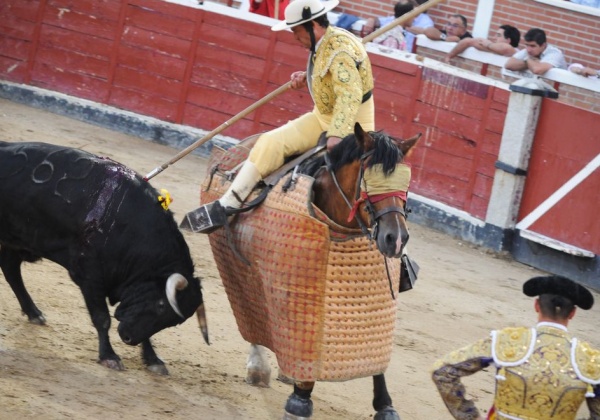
[(294, 12)]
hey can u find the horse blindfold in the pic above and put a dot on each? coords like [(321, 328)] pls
[(376, 182)]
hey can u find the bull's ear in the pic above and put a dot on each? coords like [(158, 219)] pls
[(407, 145), (364, 139)]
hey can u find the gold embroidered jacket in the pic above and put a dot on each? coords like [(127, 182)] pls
[(341, 76), (542, 373)]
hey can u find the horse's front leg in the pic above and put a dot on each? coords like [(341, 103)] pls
[(258, 371), (299, 405), (382, 402)]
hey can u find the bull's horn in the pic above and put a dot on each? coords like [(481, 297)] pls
[(175, 282), (201, 314)]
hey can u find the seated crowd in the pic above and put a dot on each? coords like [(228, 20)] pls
[(535, 58)]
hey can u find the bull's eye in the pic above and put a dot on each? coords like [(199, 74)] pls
[(160, 306)]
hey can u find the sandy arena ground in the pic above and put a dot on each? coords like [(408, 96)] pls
[(51, 372)]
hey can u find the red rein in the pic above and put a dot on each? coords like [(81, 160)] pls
[(374, 199)]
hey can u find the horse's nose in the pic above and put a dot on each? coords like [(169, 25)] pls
[(395, 243), (391, 239), (392, 244)]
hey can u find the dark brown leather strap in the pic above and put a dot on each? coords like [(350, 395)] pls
[(278, 174)]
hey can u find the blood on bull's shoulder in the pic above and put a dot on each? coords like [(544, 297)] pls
[(105, 225)]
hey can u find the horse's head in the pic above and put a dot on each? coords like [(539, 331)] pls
[(369, 171)]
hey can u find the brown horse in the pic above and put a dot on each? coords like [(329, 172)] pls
[(360, 184), (338, 190)]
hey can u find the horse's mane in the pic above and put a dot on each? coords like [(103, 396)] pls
[(386, 153)]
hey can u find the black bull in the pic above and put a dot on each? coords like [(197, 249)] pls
[(104, 224)]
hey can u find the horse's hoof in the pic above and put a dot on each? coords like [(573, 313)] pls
[(297, 408), (258, 377), (285, 379), (388, 413), (112, 364), (158, 369), (258, 370)]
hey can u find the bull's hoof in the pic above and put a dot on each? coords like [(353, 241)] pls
[(285, 379), (158, 369), (112, 364), (387, 413), (258, 377), (38, 320), (297, 408)]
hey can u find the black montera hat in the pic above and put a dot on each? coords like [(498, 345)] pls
[(562, 286)]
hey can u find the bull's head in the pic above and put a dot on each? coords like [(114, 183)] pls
[(152, 306)]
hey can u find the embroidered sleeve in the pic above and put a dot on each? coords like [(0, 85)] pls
[(347, 88), (594, 404), (448, 371), (586, 361)]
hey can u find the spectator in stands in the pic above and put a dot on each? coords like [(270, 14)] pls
[(538, 56), (505, 43), (584, 71), (267, 7), (455, 30), (394, 38), (421, 21)]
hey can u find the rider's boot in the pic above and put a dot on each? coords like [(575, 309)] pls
[(211, 216)]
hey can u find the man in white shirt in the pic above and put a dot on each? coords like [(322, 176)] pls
[(589, 3), (538, 56)]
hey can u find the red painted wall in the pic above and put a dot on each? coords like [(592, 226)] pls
[(566, 140), (193, 67), (462, 121)]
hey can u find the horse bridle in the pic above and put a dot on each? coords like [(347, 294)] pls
[(373, 214)]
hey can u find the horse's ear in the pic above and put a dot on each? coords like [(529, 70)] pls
[(407, 145), (362, 137)]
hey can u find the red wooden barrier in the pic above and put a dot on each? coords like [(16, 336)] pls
[(190, 66), (563, 146)]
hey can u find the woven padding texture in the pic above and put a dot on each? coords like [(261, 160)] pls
[(323, 306)]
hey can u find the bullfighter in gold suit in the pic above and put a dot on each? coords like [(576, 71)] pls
[(340, 82), (543, 373)]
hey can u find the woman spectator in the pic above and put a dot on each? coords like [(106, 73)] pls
[(394, 38)]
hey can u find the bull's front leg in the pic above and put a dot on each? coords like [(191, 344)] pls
[(151, 360), (98, 309)]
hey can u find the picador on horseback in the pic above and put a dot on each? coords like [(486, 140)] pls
[(300, 270), (340, 82)]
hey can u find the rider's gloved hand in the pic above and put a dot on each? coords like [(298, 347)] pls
[(298, 80)]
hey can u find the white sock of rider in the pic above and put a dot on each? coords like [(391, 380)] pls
[(243, 184)]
